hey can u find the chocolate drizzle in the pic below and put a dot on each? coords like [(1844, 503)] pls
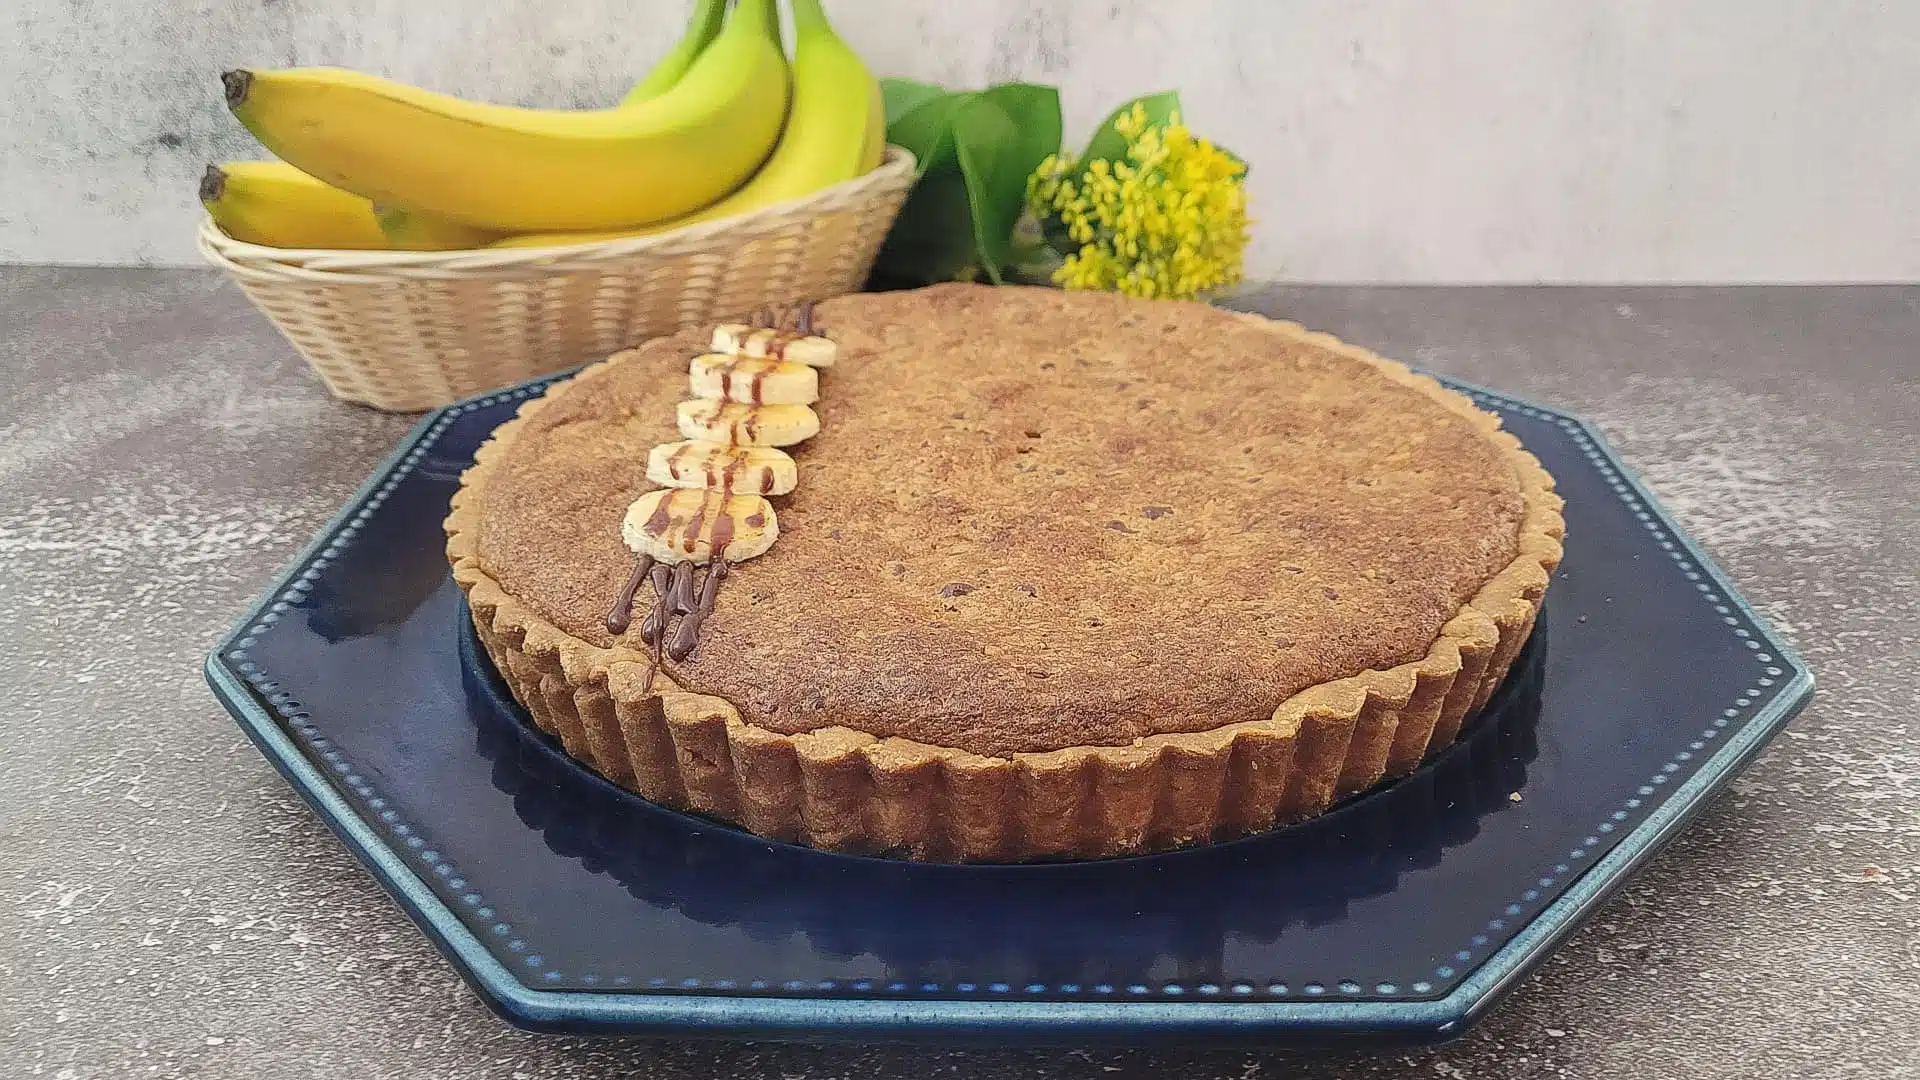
[(687, 634), (662, 515), (721, 468), (756, 382), (680, 589), (620, 615), (674, 459), (692, 534), (652, 627), (653, 630)]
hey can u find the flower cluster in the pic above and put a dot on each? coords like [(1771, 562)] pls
[(1168, 221)]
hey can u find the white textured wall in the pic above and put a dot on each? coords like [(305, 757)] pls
[(1472, 140)]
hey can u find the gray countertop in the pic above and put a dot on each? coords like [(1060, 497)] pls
[(169, 908)]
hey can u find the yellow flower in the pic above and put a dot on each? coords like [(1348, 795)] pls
[(1170, 220)]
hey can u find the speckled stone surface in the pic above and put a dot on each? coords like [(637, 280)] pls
[(168, 908)]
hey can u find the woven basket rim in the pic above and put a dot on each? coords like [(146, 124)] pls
[(261, 262)]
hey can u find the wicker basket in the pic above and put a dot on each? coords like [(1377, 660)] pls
[(404, 330)]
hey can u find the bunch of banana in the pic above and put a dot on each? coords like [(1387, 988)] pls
[(711, 505), (707, 134)]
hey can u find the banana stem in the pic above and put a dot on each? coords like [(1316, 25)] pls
[(702, 27), (213, 184), (762, 15), (706, 19), (236, 83), (808, 16)]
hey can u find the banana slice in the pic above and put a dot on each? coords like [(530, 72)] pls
[(756, 380), (723, 468), (735, 424), (743, 340), (676, 525)]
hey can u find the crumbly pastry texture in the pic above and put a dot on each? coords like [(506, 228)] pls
[(1070, 575)]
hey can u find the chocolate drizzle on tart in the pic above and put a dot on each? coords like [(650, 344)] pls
[(687, 635), (621, 613), (657, 616), (681, 597)]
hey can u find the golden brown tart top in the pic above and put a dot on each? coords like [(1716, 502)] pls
[(1035, 520)]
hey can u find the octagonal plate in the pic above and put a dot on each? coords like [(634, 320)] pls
[(570, 905)]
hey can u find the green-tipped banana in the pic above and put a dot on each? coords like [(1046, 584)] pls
[(513, 169), (702, 28)]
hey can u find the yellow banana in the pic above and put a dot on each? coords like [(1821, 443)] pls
[(515, 169), (273, 203), (836, 131)]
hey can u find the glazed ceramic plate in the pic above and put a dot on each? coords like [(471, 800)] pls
[(571, 905)]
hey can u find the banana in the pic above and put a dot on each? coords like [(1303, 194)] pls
[(756, 380), (719, 467), (676, 525), (523, 170), (740, 339), (275, 204), (836, 131), (701, 29), (735, 424), (836, 106)]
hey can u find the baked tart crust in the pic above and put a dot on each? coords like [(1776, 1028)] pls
[(837, 787)]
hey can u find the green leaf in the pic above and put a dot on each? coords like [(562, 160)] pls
[(1035, 111), (1000, 138), (930, 240), (982, 134), (927, 130), (1109, 145), (904, 95), (975, 150)]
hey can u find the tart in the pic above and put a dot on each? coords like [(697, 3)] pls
[(1063, 575)]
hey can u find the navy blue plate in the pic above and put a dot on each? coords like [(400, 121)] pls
[(571, 905)]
